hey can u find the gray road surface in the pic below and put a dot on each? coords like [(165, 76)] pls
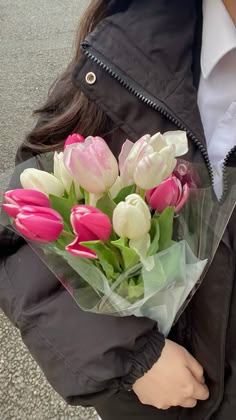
[(35, 46)]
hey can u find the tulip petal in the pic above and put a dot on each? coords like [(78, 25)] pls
[(41, 227), (168, 155), (24, 197), (80, 251), (25, 232), (48, 212), (139, 150), (185, 195), (84, 209), (38, 180), (11, 209), (158, 142), (165, 195), (89, 223), (92, 164), (39, 223), (132, 218), (125, 150), (150, 171), (98, 224), (179, 140), (64, 176), (73, 139)]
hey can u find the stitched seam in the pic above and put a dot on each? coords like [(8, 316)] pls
[(175, 88)]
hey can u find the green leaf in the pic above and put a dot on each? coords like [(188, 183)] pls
[(63, 207), (124, 193), (72, 195), (135, 291), (123, 289), (82, 190), (106, 205), (166, 221), (107, 258), (155, 237), (130, 257)]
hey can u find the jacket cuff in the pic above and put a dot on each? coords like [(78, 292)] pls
[(143, 359)]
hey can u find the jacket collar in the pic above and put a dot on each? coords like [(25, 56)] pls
[(151, 45), (214, 47)]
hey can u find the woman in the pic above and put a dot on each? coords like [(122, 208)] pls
[(138, 71)]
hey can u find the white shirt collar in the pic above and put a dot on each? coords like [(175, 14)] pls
[(219, 35)]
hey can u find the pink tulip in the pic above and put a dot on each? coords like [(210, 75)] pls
[(18, 198), (169, 193), (73, 139), (40, 224), (89, 224), (92, 165)]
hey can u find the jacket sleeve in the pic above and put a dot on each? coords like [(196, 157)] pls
[(85, 357)]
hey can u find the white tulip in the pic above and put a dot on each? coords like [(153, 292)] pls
[(135, 160), (130, 156), (63, 175), (132, 218), (150, 171), (41, 181), (157, 142), (168, 155), (179, 140)]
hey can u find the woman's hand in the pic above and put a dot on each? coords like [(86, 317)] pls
[(177, 379)]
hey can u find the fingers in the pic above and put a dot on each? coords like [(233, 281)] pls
[(196, 369), (201, 392), (195, 390), (189, 403)]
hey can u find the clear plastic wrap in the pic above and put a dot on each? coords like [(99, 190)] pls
[(162, 292)]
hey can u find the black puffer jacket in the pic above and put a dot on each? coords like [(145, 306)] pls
[(146, 59)]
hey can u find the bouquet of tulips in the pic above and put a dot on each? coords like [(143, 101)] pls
[(122, 236)]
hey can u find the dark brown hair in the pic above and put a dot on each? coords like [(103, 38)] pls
[(67, 109)]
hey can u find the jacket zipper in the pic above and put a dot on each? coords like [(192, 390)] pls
[(224, 168), (153, 104)]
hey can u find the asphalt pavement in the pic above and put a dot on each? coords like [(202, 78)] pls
[(36, 39)]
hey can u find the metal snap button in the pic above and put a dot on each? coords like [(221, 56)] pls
[(91, 78)]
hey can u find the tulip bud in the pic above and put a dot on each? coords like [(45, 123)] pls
[(92, 164), (41, 181), (64, 176), (130, 156), (89, 224), (151, 159), (169, 193), (18, 198), (73, 139), (132, 218), (150, 171), (39, 224)]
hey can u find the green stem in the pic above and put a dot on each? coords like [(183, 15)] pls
[(118, 254), (67, 234), (142, 193), (86, 197)]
